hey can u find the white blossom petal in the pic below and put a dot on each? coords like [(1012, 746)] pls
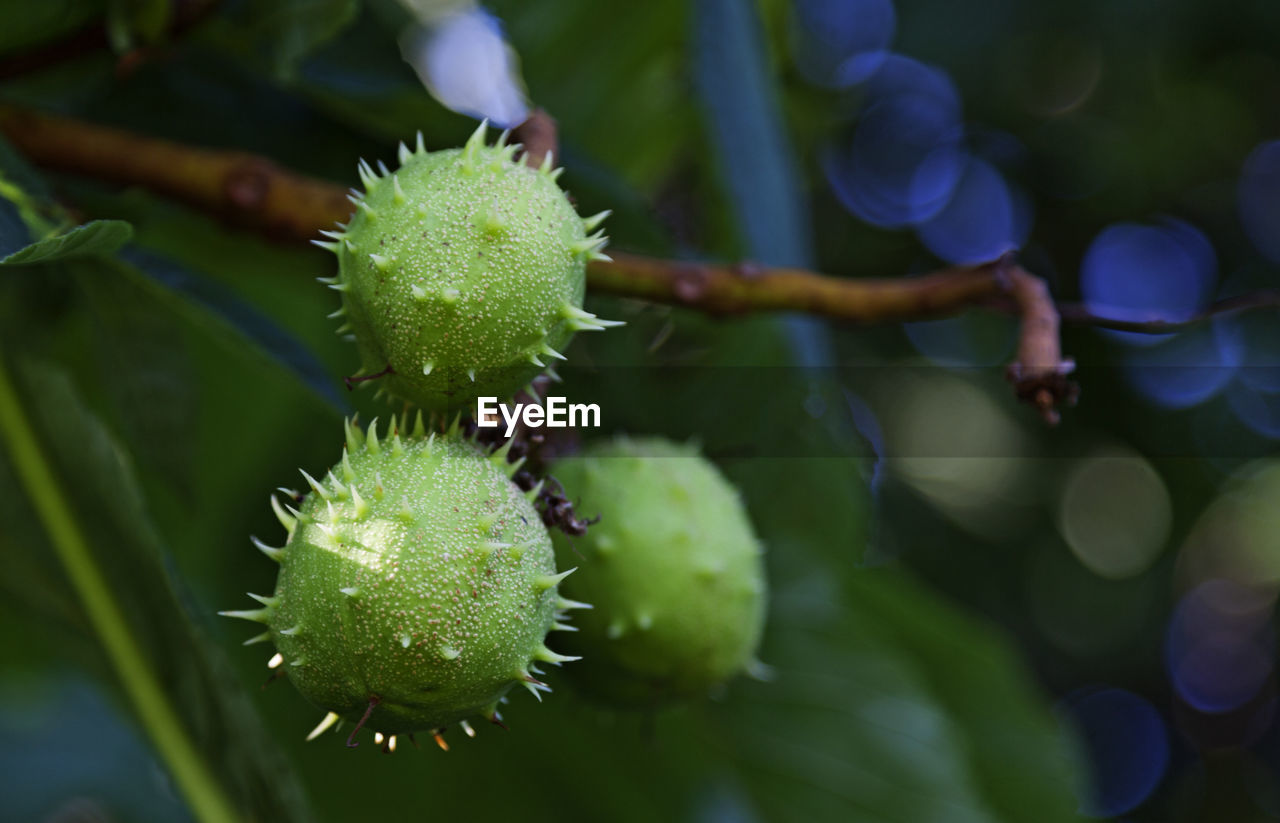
[(467, 65)]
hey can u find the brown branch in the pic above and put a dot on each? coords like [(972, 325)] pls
[(1079, 314), (742, 288), (539, 136), (243, 188), (254, 192), (1039, 374)]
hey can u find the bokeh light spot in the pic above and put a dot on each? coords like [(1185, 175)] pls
[(905, 157), (1238, 537), (1148, 272), (958, 448), (1258, 198), (1184, 370), (844, 41), (980, 221), (1257, 409), (1127, 744), (1056, 71), (1257, 335), (1115, 515), (1216, 648)]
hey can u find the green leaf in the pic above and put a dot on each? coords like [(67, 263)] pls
[(27, 207), (90, 512), (361, 80), (886, 704), (153, 388), (93, 239), (623, 99), (204, 302), (14, 234), (758, 172), (1016, 752), (279, 35), (752, 149), (869, 719), (18, 171), (256, 297)]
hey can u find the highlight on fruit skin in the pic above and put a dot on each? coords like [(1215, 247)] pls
[(462, 273), (673, 569), (416, 587)]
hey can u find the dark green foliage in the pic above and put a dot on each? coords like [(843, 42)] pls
[(177, 368)]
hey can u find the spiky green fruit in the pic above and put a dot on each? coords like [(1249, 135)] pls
[(462, 273), (673, 569), (417, 584)]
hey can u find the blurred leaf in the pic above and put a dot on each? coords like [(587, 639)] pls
[(14, 233), (26, 203), (172, 377), (361, 80), (30, 576), (131, 23), (95, 478), (220, 313), (752, 151), (233, 290), (110, 772), (622, 101), (18, 171), (278, 280), (759, 174), (279, 35), (153, 386), (146, 319), (99, 237), (196, 300), (757, 165), (871, 718), (886, 703), (29, 24), (1017, 753)]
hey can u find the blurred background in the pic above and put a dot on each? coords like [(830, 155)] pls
[(974, 617)]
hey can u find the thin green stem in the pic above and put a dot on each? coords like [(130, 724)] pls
[(161, 722)]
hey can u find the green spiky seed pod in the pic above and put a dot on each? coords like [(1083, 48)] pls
[(417, 584), (462, 273), (673, 569)]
